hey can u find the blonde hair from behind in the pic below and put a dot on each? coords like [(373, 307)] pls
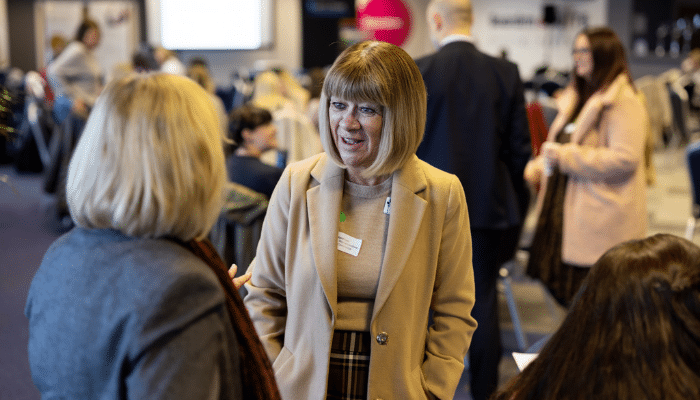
[(200, 74), (385, 74), (150, 160), (268, 92)]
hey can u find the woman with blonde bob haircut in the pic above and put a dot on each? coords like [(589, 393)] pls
[(140, 119), (139, 301), (404, 101), (361, 243)]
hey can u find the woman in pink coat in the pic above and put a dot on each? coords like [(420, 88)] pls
[(591, 169)]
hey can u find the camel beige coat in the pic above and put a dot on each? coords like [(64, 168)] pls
[(427, 264), (606, 200)]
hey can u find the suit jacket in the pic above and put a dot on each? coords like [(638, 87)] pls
[(292, 295), (606, 200), (477, 129)]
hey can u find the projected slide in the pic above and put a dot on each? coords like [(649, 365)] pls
[(215, 24)]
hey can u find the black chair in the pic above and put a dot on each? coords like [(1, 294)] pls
[(228, 96), (64, 139), (36, 129), (679, 110), (237, 232), (692, 153)]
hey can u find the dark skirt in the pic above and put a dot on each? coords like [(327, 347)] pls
[(348, 371), (561, 279)]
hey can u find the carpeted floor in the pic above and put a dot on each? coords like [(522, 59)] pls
[(25, 234)]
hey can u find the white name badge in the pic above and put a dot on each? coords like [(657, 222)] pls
[(387, 206), (349, 244)]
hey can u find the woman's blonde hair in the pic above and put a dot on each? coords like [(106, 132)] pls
[(200, 74), (385, 74), (150, 161)]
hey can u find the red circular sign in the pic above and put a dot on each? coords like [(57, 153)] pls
[(385, 20)]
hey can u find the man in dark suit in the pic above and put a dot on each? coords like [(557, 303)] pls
[(477, 129)]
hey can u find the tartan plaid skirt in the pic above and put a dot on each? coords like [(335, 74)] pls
[(348, 371)]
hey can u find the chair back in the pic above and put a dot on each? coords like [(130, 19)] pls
[(679, 115), (237, 232), (538, 126), (658, 107), (693, 157)]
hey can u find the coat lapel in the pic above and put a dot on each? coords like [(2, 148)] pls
[(567, 102), (323, 207), (590, 112), (590, 115), (407, 209)]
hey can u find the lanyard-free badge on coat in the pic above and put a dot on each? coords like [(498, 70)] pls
[(349, 244)]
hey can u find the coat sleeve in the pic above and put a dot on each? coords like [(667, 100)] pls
[(622, 150), (453, 298), (56, 72), (266, 300), (519, 145)]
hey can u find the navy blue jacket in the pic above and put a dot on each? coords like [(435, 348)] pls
[(253, 173), (477, 129)]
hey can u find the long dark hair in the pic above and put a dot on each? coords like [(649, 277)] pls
[(609, 61), (633, 331)]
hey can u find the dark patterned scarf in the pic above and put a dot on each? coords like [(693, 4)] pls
[(258, 376)]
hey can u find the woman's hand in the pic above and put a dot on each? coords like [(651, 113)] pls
[(533, 171), (241, 280), (550, 154)]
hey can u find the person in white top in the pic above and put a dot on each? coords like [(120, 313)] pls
[(76, 74)]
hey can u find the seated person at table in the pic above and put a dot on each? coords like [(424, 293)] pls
[(253, 132)]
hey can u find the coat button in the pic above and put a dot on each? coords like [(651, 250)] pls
[(382, 338)]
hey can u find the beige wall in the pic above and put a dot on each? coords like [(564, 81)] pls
[(529, 46), (4, 36), (418, 43), (288, 43), (515, 26)]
